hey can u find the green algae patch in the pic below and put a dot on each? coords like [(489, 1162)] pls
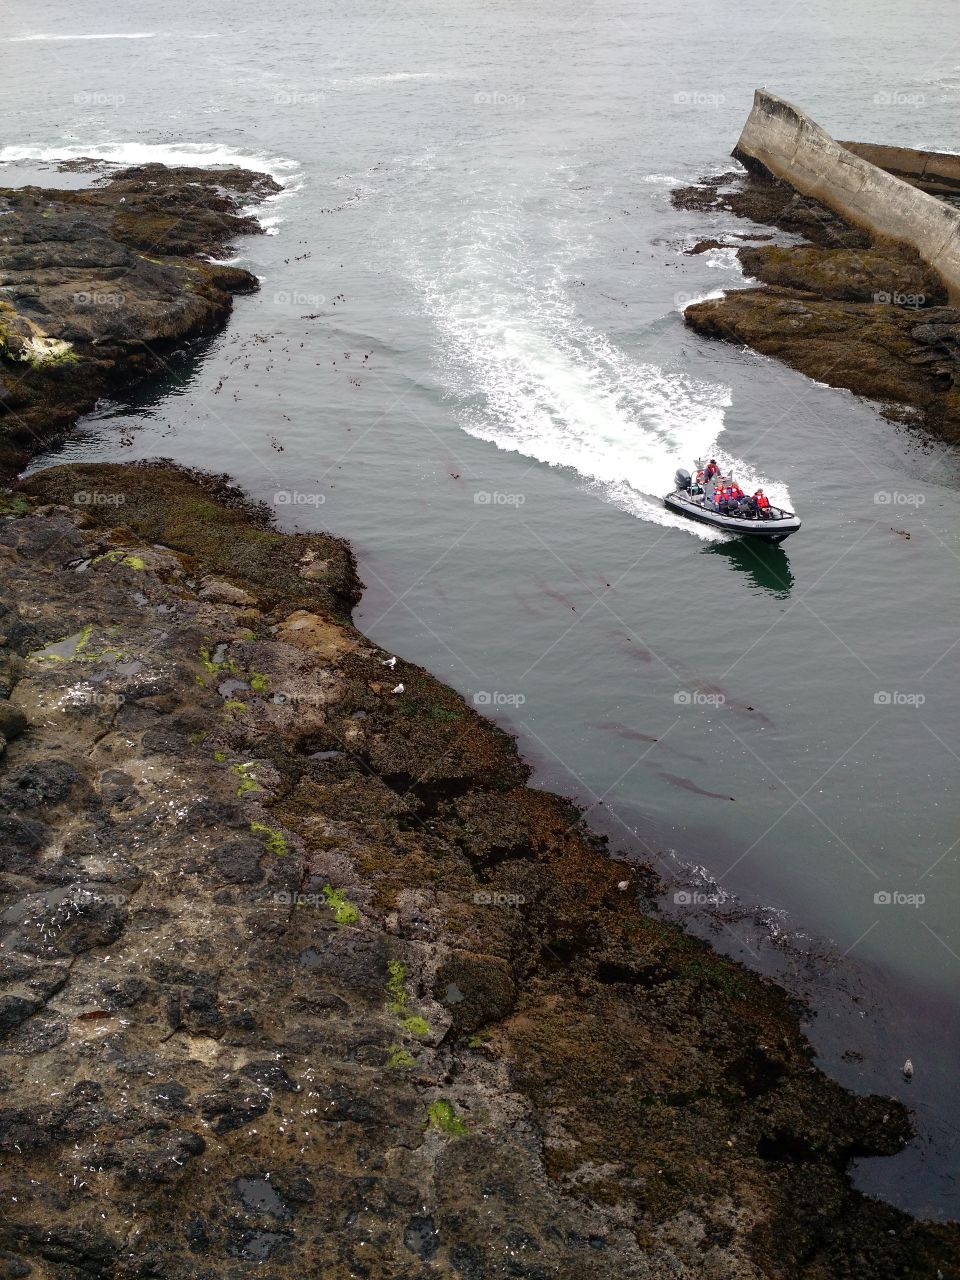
[(400, 1058), (396, 986), (416, 1025), (441, 1115), (13, 505), (214, 667), (121, 557), (344, 911), (444, 715), (247, 783), (413, 1023), (259, 683), (232, 704), (273, 840)]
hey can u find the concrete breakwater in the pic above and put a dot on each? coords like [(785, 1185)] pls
[(784, 142), (934, 171)]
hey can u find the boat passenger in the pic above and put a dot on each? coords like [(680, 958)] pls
[(712, 469), (762, 504)]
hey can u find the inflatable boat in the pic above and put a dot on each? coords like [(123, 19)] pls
[(695, 500)]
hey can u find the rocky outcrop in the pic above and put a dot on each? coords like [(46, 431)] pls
[(297, 975), (782, 141), (848, 311), (99, 286)]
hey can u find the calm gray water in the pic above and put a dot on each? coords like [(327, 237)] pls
[(468, 357)]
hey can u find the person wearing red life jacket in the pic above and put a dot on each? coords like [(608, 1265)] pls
[(712, 469), (762, 504)]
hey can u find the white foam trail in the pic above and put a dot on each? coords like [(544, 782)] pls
[(533, 378), (108, 35), (132, 153), (389, 78)]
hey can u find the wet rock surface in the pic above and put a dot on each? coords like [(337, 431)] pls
[(868, 316), (99, 286), (300, 978)]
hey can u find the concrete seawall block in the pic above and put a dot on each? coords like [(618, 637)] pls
[(782, 140)]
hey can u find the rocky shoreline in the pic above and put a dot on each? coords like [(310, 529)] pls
[(98, 286), (850, 311), (299, 976)]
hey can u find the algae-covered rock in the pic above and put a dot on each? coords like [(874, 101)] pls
[(100, 284), (385, 1011), (840, 309)]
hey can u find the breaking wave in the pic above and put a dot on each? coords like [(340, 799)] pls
[(132, 153)]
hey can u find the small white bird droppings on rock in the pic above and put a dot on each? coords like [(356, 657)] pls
[(623, 885), (398, 689)]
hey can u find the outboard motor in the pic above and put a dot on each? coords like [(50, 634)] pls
[(682, 480)]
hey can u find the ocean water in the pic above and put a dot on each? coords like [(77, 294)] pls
[(468, 356)]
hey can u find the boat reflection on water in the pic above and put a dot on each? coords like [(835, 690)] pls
[(765, 564)]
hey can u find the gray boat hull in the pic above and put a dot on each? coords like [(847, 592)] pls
[(773, 530)]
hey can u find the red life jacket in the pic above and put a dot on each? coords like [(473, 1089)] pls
[(762, 500)]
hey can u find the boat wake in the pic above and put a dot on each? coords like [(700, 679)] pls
[(531, 376)]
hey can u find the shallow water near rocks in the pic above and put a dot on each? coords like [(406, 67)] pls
[(468, 357)]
